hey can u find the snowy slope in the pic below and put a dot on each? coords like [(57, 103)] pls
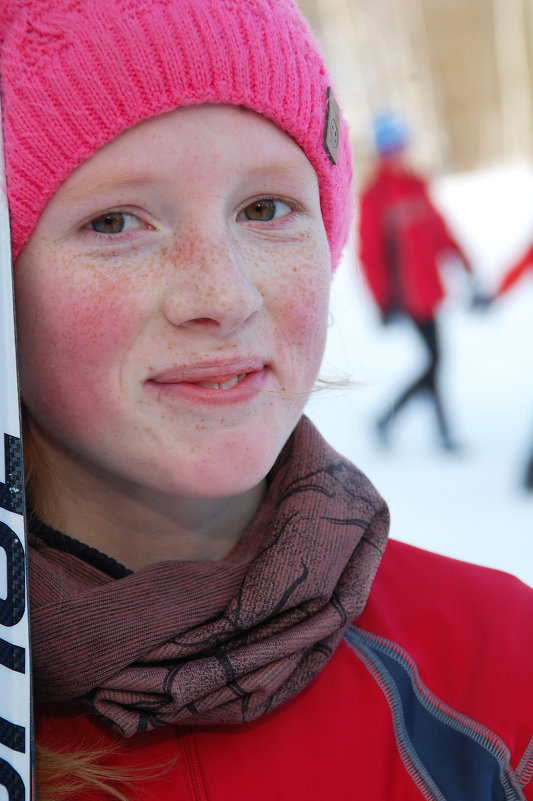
[(468, 504)]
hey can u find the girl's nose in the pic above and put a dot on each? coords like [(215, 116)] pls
[(213, 289)]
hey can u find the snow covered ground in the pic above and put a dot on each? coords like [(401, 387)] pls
[(468, 504)]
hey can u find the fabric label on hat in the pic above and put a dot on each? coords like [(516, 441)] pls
[(332, 127)]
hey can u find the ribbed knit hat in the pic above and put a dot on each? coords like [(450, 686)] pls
[(76, 73)]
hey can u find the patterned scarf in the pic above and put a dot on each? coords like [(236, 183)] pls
[(215, 642)]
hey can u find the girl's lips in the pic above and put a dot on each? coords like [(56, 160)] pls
[(209, 372), (207, 385)]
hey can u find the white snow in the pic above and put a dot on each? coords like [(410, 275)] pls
[(468, 504)]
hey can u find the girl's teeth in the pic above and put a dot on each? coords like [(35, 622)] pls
[(232, 382)]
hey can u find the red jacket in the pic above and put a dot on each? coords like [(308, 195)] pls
[(401, 236), (430, 696), (516, 272)]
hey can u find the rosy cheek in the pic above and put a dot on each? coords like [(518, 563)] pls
[(76, 335), (305, 299), (97, 324)]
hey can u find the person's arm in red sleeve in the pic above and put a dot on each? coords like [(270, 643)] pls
[(516, 272)]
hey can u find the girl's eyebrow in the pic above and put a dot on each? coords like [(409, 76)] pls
[(279, 166), (82, 191), (106, 182)]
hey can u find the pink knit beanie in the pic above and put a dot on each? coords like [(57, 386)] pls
[(76, 73)]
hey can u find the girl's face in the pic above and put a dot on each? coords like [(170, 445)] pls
[(172, 305)]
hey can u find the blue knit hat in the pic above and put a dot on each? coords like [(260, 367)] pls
[(391, 132)]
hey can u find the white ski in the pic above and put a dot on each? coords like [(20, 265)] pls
[(16, 742)]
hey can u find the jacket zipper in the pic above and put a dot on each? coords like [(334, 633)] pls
[(192, 767)]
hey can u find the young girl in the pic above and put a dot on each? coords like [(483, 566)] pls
[(212, 617)]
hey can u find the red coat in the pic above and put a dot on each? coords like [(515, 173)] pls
[(430, 693), (516, 272), (401, 236)]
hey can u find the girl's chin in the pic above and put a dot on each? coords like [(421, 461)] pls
[(211, 487), (222, 475)]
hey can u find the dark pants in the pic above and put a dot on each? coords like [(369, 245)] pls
[(528, 477), (427, 383)]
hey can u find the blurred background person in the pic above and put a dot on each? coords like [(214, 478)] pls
[(402, 239), (514, 274), (461, 74)]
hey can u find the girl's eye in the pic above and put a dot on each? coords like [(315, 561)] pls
[(114, 222), (265, 210)]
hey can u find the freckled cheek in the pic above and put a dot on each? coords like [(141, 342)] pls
[(302, 302), (77, 336)]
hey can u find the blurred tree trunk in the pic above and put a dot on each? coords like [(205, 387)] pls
[(513, 72), (461, 42)]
